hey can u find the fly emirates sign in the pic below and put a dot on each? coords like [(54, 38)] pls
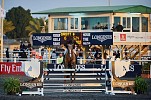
[(11, 68)]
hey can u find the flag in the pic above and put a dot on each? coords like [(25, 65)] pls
[(2, 12)]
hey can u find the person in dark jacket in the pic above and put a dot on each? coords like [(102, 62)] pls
[(119, 28), (7, 54), (23, 55), (22, 46)]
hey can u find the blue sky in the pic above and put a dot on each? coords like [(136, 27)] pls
[(38, 5)]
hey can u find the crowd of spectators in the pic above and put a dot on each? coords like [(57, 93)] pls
[(93, 56)]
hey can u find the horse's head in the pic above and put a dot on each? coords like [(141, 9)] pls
[(70, 46)]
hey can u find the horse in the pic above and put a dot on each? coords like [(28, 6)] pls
[(70, 61)]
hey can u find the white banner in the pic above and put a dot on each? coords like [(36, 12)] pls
[(148, 36), (132, 36), (31, 68)]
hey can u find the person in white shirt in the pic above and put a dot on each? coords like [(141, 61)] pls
[(53, 57)]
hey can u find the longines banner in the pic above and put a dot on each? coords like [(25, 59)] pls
[(92, 38), (42, 39), (98, 38), (11, 68)]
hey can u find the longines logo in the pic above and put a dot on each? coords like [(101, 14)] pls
[(31, 85), (42, 39), (101, 38)]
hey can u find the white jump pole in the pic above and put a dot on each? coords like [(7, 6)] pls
[(150, 71)]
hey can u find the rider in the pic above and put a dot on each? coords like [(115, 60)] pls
[(70, 42)]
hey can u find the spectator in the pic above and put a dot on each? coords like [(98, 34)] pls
[(7, 54), (53, 56), (117, 54), (33, 52), (29, 45), (90, 59), (98, 26), (96, 53), (97, 59), (23, 55), (14, 52), (119, 28), (42, 51), (60, 59), (105, 55), (114, 53), (22, 46), (113, 28), (79, 53), (126, 54)]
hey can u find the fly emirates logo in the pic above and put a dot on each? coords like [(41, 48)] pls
[(11, 68)]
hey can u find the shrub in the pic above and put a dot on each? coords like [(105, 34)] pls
[(141, 85), (11, 85)]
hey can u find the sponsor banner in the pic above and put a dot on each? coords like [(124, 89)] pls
[(123, 84), (133, 73), (93, 38), (56, 38), (77, 36), (42, 39), (148, 37), (126, 69), (131, 37), (11, 68), (79, 66), (98, 38), (31, 85), (32, 68)]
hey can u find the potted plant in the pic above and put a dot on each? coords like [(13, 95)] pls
[(141, 85), (146, 70), (11, 86)]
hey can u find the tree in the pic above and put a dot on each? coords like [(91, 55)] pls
[(20, 18), (37, 26), (8, 26)]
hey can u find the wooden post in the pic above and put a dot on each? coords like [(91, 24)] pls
[(2, 32), (121, 52), (49, 49)]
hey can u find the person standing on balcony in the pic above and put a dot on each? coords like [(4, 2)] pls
[(119, 28)]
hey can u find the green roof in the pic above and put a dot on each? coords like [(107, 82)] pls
[(101, 9)]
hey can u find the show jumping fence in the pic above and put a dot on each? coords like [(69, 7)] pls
[(87, 77)]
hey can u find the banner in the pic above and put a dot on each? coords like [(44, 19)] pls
[(42, 39), (132, 37), (98, 38), (11, 68), (32, 68), (77, 36)]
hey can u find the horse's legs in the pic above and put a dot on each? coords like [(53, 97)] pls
[(73, 76)]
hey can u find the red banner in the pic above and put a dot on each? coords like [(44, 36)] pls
[(11, 68)]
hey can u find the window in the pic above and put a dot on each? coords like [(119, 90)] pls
[(135, 24), (94, 23), (116, 21), (144, 24), (126, 22), (60, 23), (74, 23)]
